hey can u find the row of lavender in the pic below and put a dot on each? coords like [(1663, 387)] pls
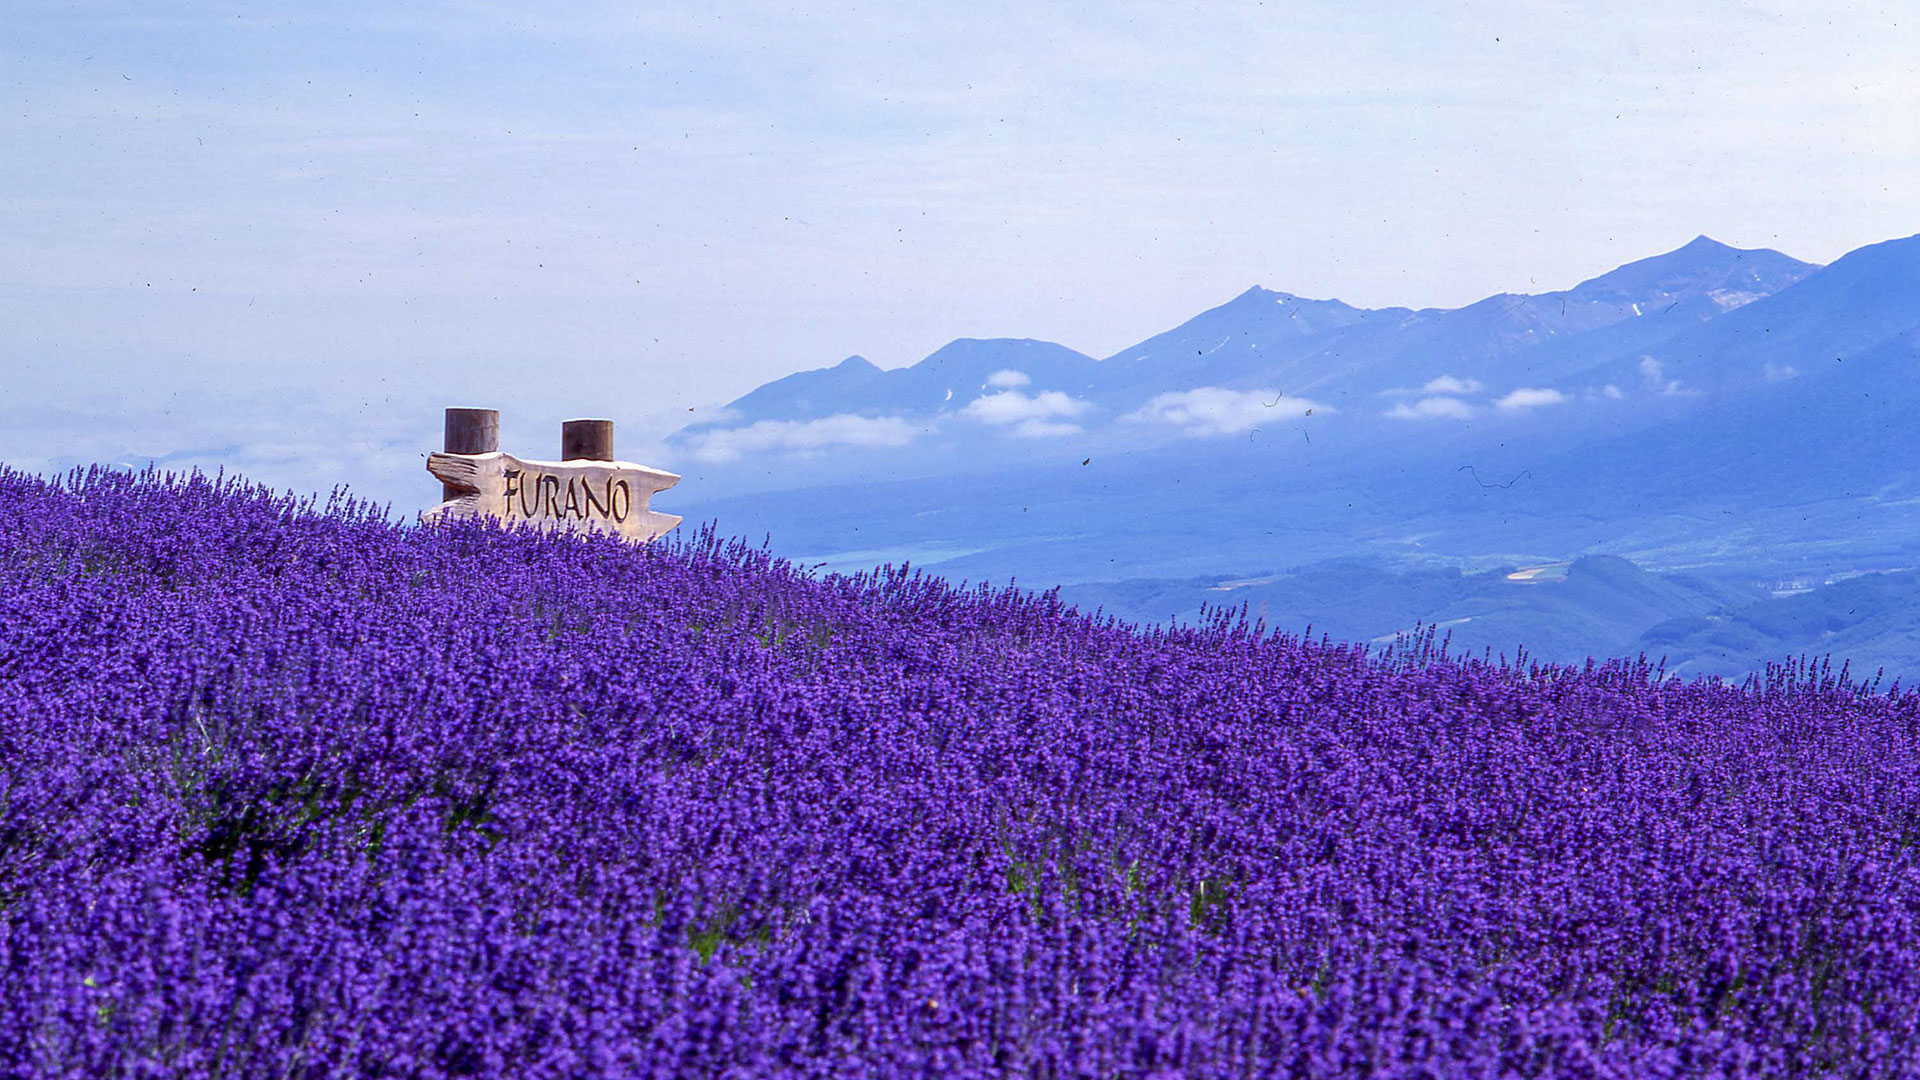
[(288, 791)]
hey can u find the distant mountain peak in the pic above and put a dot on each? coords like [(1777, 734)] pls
[(1282, 294), (1701, 266), (998, 342), (998, 351), (1261, 295), (856, 362)]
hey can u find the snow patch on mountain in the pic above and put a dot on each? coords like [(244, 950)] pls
[(1728, 299)]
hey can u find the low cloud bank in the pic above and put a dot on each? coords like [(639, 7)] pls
[(1028, 415), (805, 436), (1432, 408), (1216, 410), (1447, 384), (1530, 397), (1655, 375)]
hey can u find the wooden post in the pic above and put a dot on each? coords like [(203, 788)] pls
[(586, 440), (470, 431), (588, 491)]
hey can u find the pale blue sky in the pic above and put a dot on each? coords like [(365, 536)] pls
[(281, 236)]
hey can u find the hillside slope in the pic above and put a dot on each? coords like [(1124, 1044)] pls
[(292, 791)]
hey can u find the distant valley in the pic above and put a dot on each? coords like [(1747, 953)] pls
[(1675, 434)]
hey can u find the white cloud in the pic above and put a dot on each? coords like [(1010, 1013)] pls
[(1216, 410), (1007, 378), (1443, 385), (1432, 408), (1611, 392), (1013, 407), (782, 436), (1447, 384), (1655, 374), (1530, 397), (1044, 429), (1780, 372)]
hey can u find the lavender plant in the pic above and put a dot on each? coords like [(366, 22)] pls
[(293, 791)]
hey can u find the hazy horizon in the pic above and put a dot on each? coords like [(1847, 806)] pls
[(281, 240)]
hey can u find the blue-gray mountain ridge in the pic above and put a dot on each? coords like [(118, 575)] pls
[(1729, 416)]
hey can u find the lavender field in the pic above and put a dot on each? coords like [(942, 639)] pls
[(291, 791)]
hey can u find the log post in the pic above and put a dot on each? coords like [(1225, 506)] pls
[(586, 440), (470, 431)]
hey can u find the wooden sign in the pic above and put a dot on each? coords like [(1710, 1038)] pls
[(589, 496), (589, 492)]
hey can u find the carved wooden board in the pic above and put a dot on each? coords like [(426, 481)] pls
[(583, 496)]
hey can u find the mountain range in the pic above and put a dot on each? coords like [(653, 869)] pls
[(1724, 414)]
